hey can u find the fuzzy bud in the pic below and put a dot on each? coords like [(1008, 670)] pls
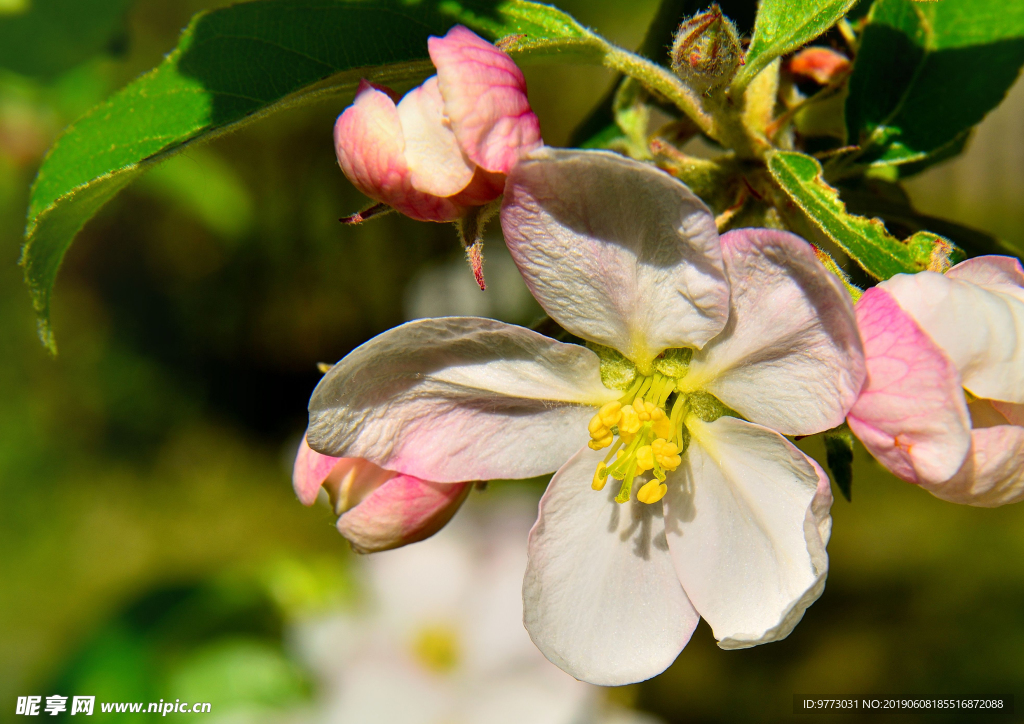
[(706, 52)]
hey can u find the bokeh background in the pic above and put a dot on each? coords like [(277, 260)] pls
[(150, 544)]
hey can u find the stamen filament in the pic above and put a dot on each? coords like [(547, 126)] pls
[(627, 486), (631, 392), (611, 453)]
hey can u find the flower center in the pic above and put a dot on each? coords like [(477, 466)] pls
[(645, 429), (437, 648), (642, 436)]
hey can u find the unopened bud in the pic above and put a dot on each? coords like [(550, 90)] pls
[(706, 52), (822, 65)]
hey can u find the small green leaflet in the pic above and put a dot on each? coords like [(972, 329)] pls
[(865, 240), (782, 26), (235, 65), (839, 456), (926, 73)]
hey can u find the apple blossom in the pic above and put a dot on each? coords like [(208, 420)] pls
[(929, 337), (713, 513), (378, 509), (446, 146), (441, 638)]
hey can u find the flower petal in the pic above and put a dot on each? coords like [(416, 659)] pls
[(617, 252), (981, 328), (436, 165), (1004, 272), (310, 471), (993, 473), (911, 414), (601, 599), (459, 399), (370, 145), (401, 511), (790, 357), (1014, 414), (485, 99), (747, 522)]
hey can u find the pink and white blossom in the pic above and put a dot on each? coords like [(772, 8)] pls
[(703, 352), (929, 337), (378, 509), (447, 145)]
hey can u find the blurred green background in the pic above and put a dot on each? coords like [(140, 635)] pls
[(150, 543)]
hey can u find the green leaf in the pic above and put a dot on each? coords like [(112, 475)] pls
[(52, 36), (864, 240), (235, 65), (782, 26), (839, 456), (927, 72), (890, 203)]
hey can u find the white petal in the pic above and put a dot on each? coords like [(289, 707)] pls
[(747, 522), (981, 328), (999, 273), (616, 251), (458, 399), (790, 356), (436, 164), (601, 598)]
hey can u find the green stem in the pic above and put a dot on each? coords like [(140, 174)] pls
[(662, 81)]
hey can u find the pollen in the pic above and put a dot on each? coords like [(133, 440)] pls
[(666, 454), (652, 492), (642, 436), (600, 427)]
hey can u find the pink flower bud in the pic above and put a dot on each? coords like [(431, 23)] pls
[(379, 509), (822, 65), (448, 143), (927, 338)]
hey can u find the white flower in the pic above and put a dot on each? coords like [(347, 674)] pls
[(687, 333), (440, 638)]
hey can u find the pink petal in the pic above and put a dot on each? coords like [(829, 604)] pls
[(403, 510), (485, 99), (370, 145), (988, 270), (310, 471), (979, 326), (911, 415), (1014, 414), (351, 480), (993, 474)]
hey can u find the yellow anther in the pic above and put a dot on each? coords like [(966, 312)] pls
[(630, 422), (600, 443), (652, 492), (666, 453), (644, 458), (596, 426), (600, 477), (610, 413), (662, 425)]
